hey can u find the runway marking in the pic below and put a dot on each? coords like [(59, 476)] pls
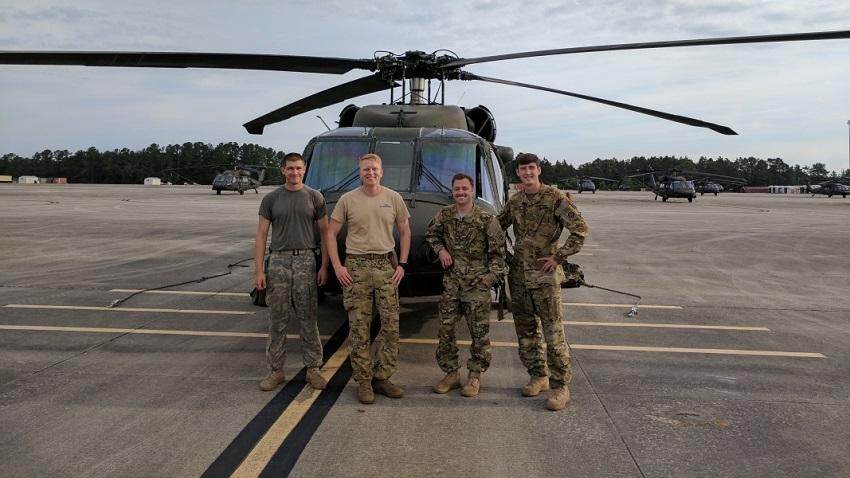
[(629, 348), (129, 309), (264, 450), (115, 330), (655, 326), (419, 341), (183, 292), (584, 254), (641, 306)]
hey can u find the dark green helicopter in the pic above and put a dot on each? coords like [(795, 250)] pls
[(674, 184), (240, 178), (423, 141)]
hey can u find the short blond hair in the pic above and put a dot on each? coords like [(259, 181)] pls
[(371, 157)]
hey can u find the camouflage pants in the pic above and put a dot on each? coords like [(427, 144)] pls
[(533, 310), (291, 292), (474, 305), (372, 288)]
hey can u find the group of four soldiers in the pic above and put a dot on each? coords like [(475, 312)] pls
[(470, 245)]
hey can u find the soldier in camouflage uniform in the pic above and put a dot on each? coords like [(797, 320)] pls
[(471, 248), (292, 211), (539, 213), (371, 275)]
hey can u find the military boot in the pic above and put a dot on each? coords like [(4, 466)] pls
[(559, 399), (535, 385), (314, 377), (365, 393), (275, 378), (387, 388), (450, 382), (473, 385)]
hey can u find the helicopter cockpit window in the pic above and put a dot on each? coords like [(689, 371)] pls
[(442, 160), (333, 165), (397, 163), (486, 189)]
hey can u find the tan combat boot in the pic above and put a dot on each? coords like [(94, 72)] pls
[(314, 377), (275, 378), (450, 382), (535, 385), (473, 385), (387, 388), (559, 399), (365, 393)]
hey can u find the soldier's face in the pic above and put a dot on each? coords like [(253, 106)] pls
[(293, 171), (529, 174), (462, 192), (370, 172)]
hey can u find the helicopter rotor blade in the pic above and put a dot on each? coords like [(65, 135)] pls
[(831, 35), (238, 61), (361, 86), (658, 114)]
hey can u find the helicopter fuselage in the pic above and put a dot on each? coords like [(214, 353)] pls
[(418, 163)]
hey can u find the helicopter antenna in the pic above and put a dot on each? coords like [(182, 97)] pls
[(323, 122)]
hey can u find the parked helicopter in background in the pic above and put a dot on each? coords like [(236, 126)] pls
[(714, 184), (585, 183), (423, 141), (240, 178), (829, 188), (675, 185)]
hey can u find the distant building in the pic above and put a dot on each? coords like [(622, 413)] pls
[(153, 182), (754, 189), (5, 178), (28, 180), (786, 189)]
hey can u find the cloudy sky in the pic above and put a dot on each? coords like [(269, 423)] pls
[(789, 100)]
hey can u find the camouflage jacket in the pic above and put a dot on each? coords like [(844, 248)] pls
[(475, 242), (538, 221)]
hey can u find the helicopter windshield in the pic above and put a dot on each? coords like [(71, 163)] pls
[(682, 186), (333, 165), (396, 162), (443, 160)]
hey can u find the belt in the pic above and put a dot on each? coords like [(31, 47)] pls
[(371, 256), (294, 252)]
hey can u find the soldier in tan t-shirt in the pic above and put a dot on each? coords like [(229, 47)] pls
[(370, 274)]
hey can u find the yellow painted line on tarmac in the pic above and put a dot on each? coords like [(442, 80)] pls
[(129, 309), (653, 325), (115, 330), (183, 292), (629, 348), (418, 341), (256, 461), (641, 306)]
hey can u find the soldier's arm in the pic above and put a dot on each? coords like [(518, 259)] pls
[(434, 236), (504, 217), (569, 217), (260, 252), (495, 250)]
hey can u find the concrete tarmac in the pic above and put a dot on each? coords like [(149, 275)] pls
[(737, 364)]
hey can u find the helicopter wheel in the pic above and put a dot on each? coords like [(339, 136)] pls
[(690, 199), (844, 196), (656, 198), (715, 194), (594, 191), (241, 192), (664, 199), (218, 191), (701, 194), (829, 195)]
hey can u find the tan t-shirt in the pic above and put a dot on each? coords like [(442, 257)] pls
[(370, 220)]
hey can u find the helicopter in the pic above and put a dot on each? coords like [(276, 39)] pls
[(240, 178), (716, 184), (829, 188), (585, 183), (675, 185), (423, 141)]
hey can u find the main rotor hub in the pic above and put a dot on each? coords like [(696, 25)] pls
[(416, 64)]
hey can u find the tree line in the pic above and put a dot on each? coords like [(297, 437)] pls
[(200, 162), (177, 163)]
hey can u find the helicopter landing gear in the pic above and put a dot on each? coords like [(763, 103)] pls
[(241, 192), (218, 191), (656, 198), (255, 191), (594, 191), (690, 199), (715, 194), (664, 199)]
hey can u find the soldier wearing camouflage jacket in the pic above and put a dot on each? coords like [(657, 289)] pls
[(474, 244), (539, 214)]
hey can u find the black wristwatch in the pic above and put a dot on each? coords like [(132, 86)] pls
[(404, 266)]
